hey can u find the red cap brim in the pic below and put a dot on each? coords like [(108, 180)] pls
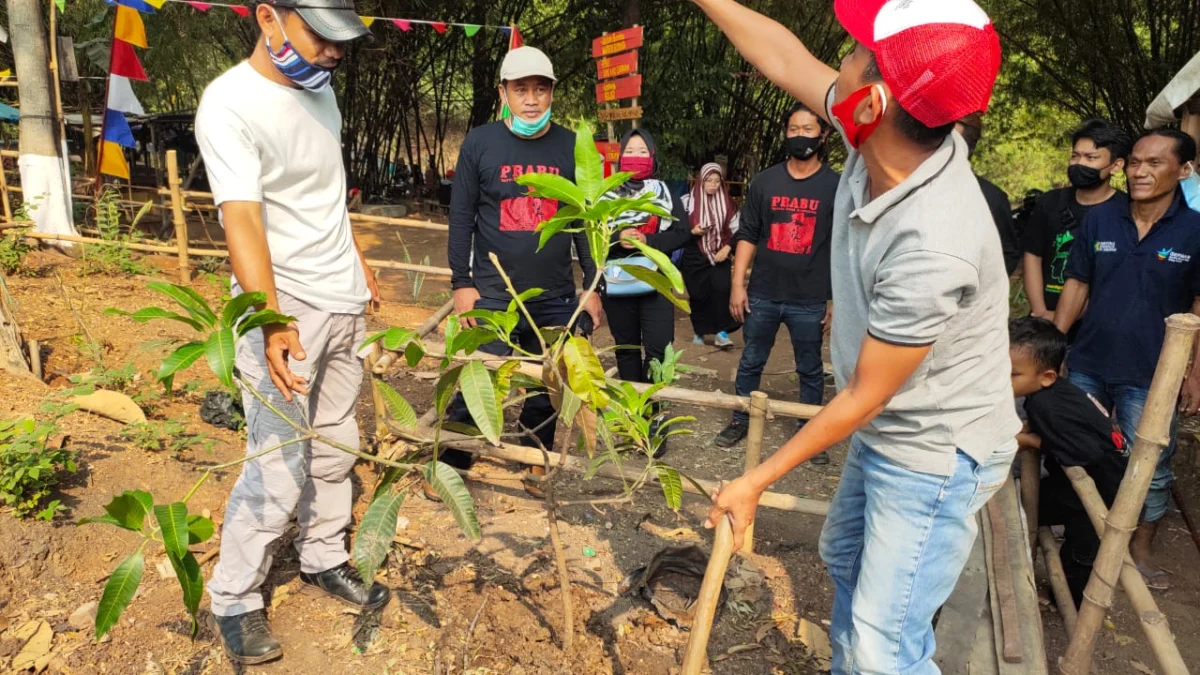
[(858, 18)]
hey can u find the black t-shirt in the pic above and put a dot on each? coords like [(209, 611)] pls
[(790, 222), (1051, 231), (1075, 431), (998, 204), (491, 213)]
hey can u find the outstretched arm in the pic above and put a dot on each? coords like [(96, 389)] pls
[(774, 50)]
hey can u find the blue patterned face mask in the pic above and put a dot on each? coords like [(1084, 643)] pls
[(295, 67)]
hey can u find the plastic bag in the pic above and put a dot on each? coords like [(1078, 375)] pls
[(671, 583), (221, 409)]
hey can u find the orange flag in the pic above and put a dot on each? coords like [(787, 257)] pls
[(112, 160), (129, 27)]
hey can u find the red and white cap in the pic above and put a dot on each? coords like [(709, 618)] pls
[(939, 57)]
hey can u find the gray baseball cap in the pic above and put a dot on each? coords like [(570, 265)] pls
[(334, 20)]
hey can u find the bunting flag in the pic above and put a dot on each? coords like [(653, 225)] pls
[(240, 10), (125, 62), (157, 4), (62, 6), (116, 129), (471, 29), (514, 38), (402, 24), (121, 96), (140, 5), (112, 160), (440, 27), (129, 27), (202, 6), (5, 74), (367, 20)]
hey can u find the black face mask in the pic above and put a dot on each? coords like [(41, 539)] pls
[(1084, 177), (802, 147)]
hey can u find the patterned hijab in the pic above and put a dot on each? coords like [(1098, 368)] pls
[(714, 214)]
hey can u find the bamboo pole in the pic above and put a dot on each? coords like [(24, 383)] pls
[(58, 104), (706, 601), (1152, 435), (181, 233), (1154, 623), (132, 246), (754, 441), (1058, 579), (8, 216), (1031, 478)]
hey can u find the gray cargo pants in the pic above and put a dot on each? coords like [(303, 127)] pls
[(311, 479)]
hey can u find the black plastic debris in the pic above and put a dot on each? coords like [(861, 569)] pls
[(671, 583), (221, 409)]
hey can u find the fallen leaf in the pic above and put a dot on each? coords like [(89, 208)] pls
[(1141, 667), (763, 631), (816, 639), (1124, 640), (281, 593), (111, 404), (36, 649)]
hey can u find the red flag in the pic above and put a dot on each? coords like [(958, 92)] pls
[(240, 10), (402, 24), (440, 27), (125, 62), (514, 37), (202, 6)]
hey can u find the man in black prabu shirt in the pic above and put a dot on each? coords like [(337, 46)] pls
[(491, 213)]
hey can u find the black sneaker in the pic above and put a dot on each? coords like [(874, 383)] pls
[(246, 637), (820, 460), (344, 584), (732, 434)]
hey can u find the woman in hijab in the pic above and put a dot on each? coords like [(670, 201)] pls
[(707, 266), (641, 319)]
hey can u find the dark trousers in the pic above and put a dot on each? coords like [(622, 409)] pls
[(646, 322), (1059, 505), (762, 325), (708, 289), (537, 409)]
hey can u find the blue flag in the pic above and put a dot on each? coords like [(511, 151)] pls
[(140, 5), (116, 129)]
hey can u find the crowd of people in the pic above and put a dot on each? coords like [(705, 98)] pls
[(902, 261)]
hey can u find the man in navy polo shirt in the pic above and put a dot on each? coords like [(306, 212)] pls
[(1137, 264)]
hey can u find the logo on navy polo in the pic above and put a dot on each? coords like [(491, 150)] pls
[(1169, 255), (1106, 247)]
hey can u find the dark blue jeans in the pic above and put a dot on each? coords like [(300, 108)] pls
[(762, 325)]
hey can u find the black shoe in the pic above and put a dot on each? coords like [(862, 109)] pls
[(344, 584), (820, 460), (246, 637), (732, 434)]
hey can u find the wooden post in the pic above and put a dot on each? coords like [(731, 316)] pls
[(8, 216), (1152, 435), (1058, 579), (58, 105), (706, 602), (1154, 623), (1031, 478), (754, 442), (181, 233)]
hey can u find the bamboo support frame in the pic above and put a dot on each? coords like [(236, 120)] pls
[(706, 601), (180, 222), (1058, 580), (754, 442), (1152, 435), (1154, 623), (1031, 478)]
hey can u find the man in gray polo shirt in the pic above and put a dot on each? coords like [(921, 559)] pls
[(919, 338)]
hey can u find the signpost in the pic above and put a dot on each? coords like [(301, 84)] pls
[(612, 90), (617, 66), (617, 71)]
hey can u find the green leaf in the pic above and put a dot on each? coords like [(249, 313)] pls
[(235, 308), (119, 590), (397, 407), (444, 391), (664, 264), (598, 245), (502, 377), (375, 534), (127, 510), (191, 581), (151, 313), (189, 299), (180, 359), (524, 296), (219, 351), (200, 529), (262, 317), (672, 486), (396, 338), (570, 406), (616, 180), (471, 339), (450, 487), (413, 353), (585, 375), (553, 186), (172, 519), (589, 165), (105, 519), (659, 282), (480, 395), (390, 477)]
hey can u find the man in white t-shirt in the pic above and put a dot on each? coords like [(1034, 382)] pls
[(270, 132)]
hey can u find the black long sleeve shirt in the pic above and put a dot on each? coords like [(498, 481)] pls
[(491, 213)]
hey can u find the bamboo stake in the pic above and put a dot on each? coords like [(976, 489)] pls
[(181, 233), (754, 441), (8, 216), (132, 246), (1058, 579), (387, 358), (706, 602), (1154, 623), (1152, 435), (1031, 478)]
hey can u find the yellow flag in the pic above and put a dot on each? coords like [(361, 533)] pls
[(129, 27), (6, 73), (367, 20), (112, 161), (156, 4)]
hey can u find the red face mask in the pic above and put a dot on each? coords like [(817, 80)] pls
[(844, 112), (641, 167)]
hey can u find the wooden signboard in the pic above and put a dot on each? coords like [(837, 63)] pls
[(611, 151), (615, 114), (617, 66), (612, 90), (615, 43)]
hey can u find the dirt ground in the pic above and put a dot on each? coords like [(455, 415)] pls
[(491, 606)]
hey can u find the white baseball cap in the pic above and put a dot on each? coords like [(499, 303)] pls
[(526, 62)]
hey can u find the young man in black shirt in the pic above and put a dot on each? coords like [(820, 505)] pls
[(1098, 150), (785, 227), (491, 213), (1071, 429), (971, 129)]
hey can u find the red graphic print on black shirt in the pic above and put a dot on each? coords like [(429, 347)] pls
[(523, 214), (650, 226), (794, 235)]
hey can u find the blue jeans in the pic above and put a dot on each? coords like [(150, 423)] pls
[(1126, 402), (761, 327), (894, 542)]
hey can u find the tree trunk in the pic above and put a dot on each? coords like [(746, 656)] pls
[(45, 181), (12, 356)]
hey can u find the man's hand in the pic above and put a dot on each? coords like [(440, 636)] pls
[(739, 499), (827, 322), (1189, 397), (464, 301), (281, 342), (631, 233), (373, 286), (1045, 314), (722, 255), (594, 309), (739, 303)]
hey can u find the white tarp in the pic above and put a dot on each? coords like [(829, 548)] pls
[(46, 187), (1182, 87)]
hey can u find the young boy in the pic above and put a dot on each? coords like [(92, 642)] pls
[(1071, 429)]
